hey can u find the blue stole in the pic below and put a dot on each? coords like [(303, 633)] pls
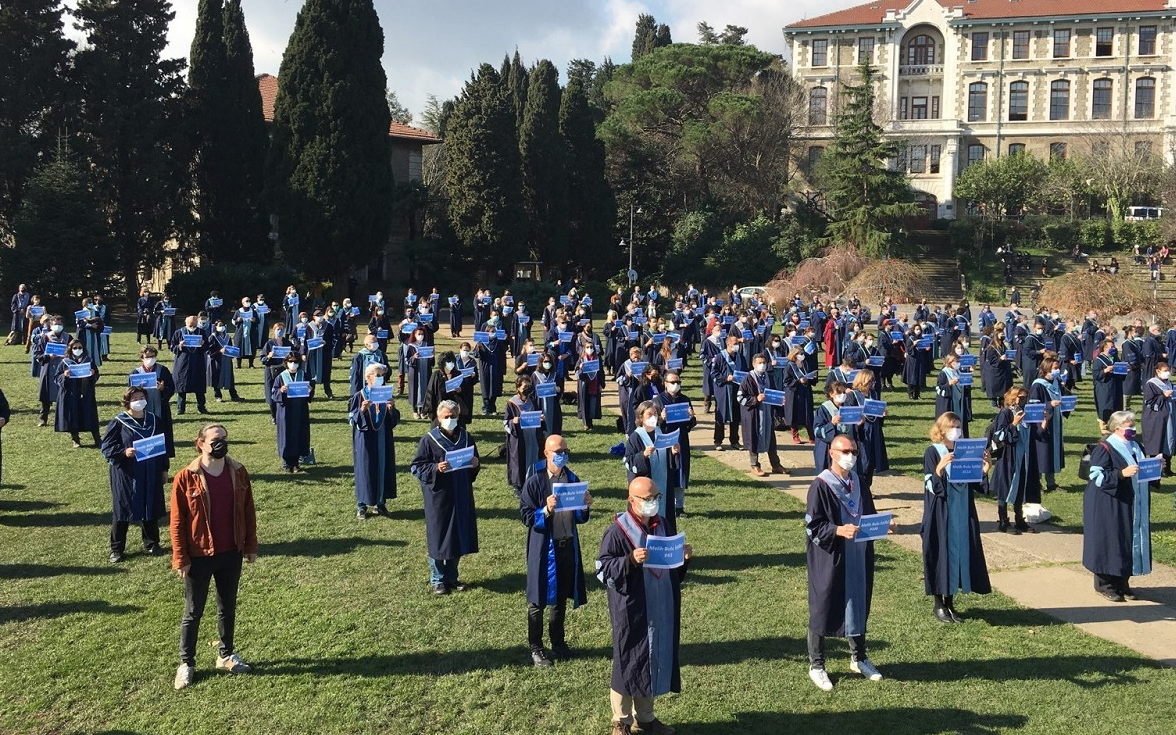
[(1169, 447), (1055, 394), (1141, 507), (959, 551), (849, 494), (658, 466), (659, 609)]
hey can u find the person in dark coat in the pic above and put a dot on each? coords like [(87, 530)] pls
[(50, 365), (77, 406), (491, 368), (1070, 354), (827, 425), (420, 368), (369, 354), (914, 374), (628, 377), (273, 358), (159, 397), (798, 396), (555, 568), (1153, 352), (644, 606), (551, 406), (589, 386), (1108, 387), (673, 396), (191, 366), (20, 303), (455, 316), (136, 484), (293, 415), (523, 446), (950, 395), (1116, 512), (467, 363), (1133, 356), (953, 555), (726, 386), (644, 459), (436, 391), (1159, 417), (1048, 436), (1031, 353), (451, 526), (758, 417), (1013, 461), (840, 570), (996, 370), (870, 434), (373, 445)]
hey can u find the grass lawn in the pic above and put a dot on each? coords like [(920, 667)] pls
[(344, 636)]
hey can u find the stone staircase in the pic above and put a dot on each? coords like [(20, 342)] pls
[(938, 266), (1164, 289)]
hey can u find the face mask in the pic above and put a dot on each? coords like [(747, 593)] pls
[(546, 365), (220, 328), (589, 350), (448, 424), (57, 328), (318, 320), (647, 508), (1055, 374), (760, 368), (77, 352), (493, 320), (959, 351), (559, 459), (846, 461), (839, 399), (148, 362), (138, 405), (303, 320), (1165, 375), (246, 304), (1039, 332), (218, 448), (292, 367), (203, 323), (1129, 433), (465, 354), (673, 388), (650, 423), (954, 434), (449, 365), (420, 338), (775, 345), (279, 333), (869, 343)]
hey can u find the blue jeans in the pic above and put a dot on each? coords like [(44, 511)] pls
[(443, 571)]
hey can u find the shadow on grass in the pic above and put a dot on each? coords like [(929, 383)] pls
[(316, 547), (750, 515), (49, 610), (26, 505), (30, 571), (739, 562), (483, 513), (75, 518), (907, 720), (1087, 672)]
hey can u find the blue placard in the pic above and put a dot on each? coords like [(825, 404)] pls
[(381, 334), (532, 359), (674, 365), (246, 317), (874, 409), (381, 394), (586, 301), (523, 319), (1119, 368), (873, 527), (632, 335), (408, 327), (372, 298), (467, 372), (481, 338), (459, 459), (965, 380), (146, 381), (773, 397), (193, 340), (231, 351), (169, 311), (1149, 469), (216, 303), (314, 343), (809, 347), (453, 301), (746, 334), (636, 368), (81, 314), (1010, 354), (969, 449), (658, 338), (1049, 345), (665, 552), (426, 318), (677, 413), (739, 375), (728, 319), (590, 367), (851, 376), (36, 312), (965, 471), (925, 343), (546, 389), (454, 384), (506, 310), (298, 389), (797, 341), (811, 376), (851, 414), (1034, 413), (569, 495), (280, 352), (666, 440), (564, 300), (1077, 357), (967, 361), (425, 352), (412, 298), (263, 309), (565, 336), (82, 370), (152, 446), (500, 334), (530, 419), (108, 330), (1069, 403), (896, 336), (875, 361)]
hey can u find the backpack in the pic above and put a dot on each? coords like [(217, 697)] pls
[(1084, 463), (995, 448)]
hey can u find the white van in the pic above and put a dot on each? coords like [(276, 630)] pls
[(1143, 214)]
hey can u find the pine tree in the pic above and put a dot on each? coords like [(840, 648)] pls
[(130, 130), (329, 175), (645, 37), (398, 111), (593, 215), (482, 173), (542, 155), (867, 199), (34, 60)]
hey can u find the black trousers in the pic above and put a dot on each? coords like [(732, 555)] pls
[(719, 431), (565, 579), (182, 401), (225, 570), (816, 649), (1111, 583), (118, 535)]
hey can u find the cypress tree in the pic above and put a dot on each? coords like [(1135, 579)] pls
[(329, 175), (542, 155), (517, 83), (592, 218), (644, 37)]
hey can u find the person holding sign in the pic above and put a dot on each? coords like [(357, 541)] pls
[(1159, 417), (827, 425), (840, 570), (555, 569), (914, 367), (49, 353), (722, 369), (589, 385), (451, 526), (138, 469), (547, 393), (455, 316), (951, 396), (653, 454), (758, 417), (798, 396), (871, 439), (446, 384), (491, 365), (89, 331), (1014, 462), (523, 441), (645, 608), (190, 347), (77, 407), (996, 369), (418, 357), (1048, 442), (244, 320), (953, 555), (220, 364), (1116, 512), (1108, 385), (373, 415), (273, 357), (156, 381), (1133, 356), (165, 319), (369, 354), (20, 304), (677, 415), (291, 395)]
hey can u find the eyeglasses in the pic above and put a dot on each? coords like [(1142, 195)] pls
[(650, 498)]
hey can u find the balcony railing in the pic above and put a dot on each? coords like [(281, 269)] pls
[(920, 70)]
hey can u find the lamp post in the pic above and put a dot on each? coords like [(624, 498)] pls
[(633, 212)]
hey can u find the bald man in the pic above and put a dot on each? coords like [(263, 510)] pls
[(191, 367), (645, 608), (555, 569), (840, 570)]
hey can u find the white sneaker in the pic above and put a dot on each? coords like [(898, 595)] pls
[(232, 664), (866, 669), (184, 676), (820, 677)]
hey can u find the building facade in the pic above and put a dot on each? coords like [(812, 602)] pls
[(965, 80)]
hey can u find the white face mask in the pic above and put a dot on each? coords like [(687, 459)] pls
[(589, 350), (647, 508), (77, 351), (378, 380), (292, 367), (846, 461), (465, 354), (1165, 375), (839, 399), (420, 338), (448, 424), (220, 328), (760, 368), (673, 388), (953, 434), (148, 362), (138, 405), (57, 328), (449, 365), (651, 423)]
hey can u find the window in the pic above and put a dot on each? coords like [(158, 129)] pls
[(1147, 40), (1100, 108), (814, 155), (820, 52), (1143, 149), (979, 47), (934, 108), (901, 162), (935, 159), (1061, 43), (1104, 42), (1059, 100), (865, 50), (1145, 98), (977, 101), (1099, 149), (902, 108), (921, 51), (918, 159), (1057, 151), (1015, 148), (975, 153), (1019, 101), (918, 108), (1020, 44), (818, 97)]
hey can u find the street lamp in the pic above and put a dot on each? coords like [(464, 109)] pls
[(633, 211)]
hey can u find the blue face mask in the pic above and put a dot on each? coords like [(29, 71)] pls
[(559, 459)]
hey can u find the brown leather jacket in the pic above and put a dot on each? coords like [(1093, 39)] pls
[(190, 531)]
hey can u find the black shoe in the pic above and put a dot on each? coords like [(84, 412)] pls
[(440, 589), (203, 411), (539, 658), (561, 651), (955, 616), (1025, 528), (116, 557), (41, 422), (680, 512), (461, 587), (1002, 526), (155, 551), (736, 446), (1111, 595), (381, 510), (943, 615), (1128, 594), (1051, 488)]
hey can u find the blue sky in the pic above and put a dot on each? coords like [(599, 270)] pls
[(431, 46)]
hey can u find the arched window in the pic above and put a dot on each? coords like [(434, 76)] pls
[(1059, 100), (921, 51), (1019, 101), (818, 105), (977, 101), (1145, 98), (1100, 99)]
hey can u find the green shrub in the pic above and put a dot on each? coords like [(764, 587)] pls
[(189, 290)]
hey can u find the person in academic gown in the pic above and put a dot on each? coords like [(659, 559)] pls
[(1071, 358), (159, 398), (523, 446), (827, 425), (144, 311), (491, 369), (711, 347), (243, 320), (136, 485), (953, 555), (164, 323), (671, 396), (628, 385), (20, 304), (369, 354), (1116, 512), (1108, 387), (264, 324), (1159, 417), (455, 316), (451, 526), (551, 407), (50, 365), (871, 439), (758, 418), (89, 332), (1153, 352), (293, 415), (840, 570), (722, 370), (373, 445), (555, 568), (1047, 437), (446, 371), (222, 376), (913, 374), (996, 370), (275, 364), (643, 459), (467, 362), (419, 370), (644, 606), (832, 342), (1133, 356), (191, 366), (1013, 461), (798, 396), (589, 386), (77, 407), (950, 395)]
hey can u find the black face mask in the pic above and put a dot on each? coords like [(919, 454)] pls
[(218, 448)]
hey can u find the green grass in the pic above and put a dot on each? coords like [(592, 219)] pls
[(344, 637)]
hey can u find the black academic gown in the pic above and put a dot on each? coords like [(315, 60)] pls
[(293, 419), (683, 428), (518, 465), (77, 407), (1108, 387), (136, 485), (638, 465), (359, 363), (373, 449), (451, 525), (159, 402), (825, 557), (541, 568), (6, 414), (191, 366), (1108, 514), (798, 397), (939, 533)]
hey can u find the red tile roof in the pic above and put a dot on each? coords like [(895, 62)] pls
[(875, 12), (267, 84)]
